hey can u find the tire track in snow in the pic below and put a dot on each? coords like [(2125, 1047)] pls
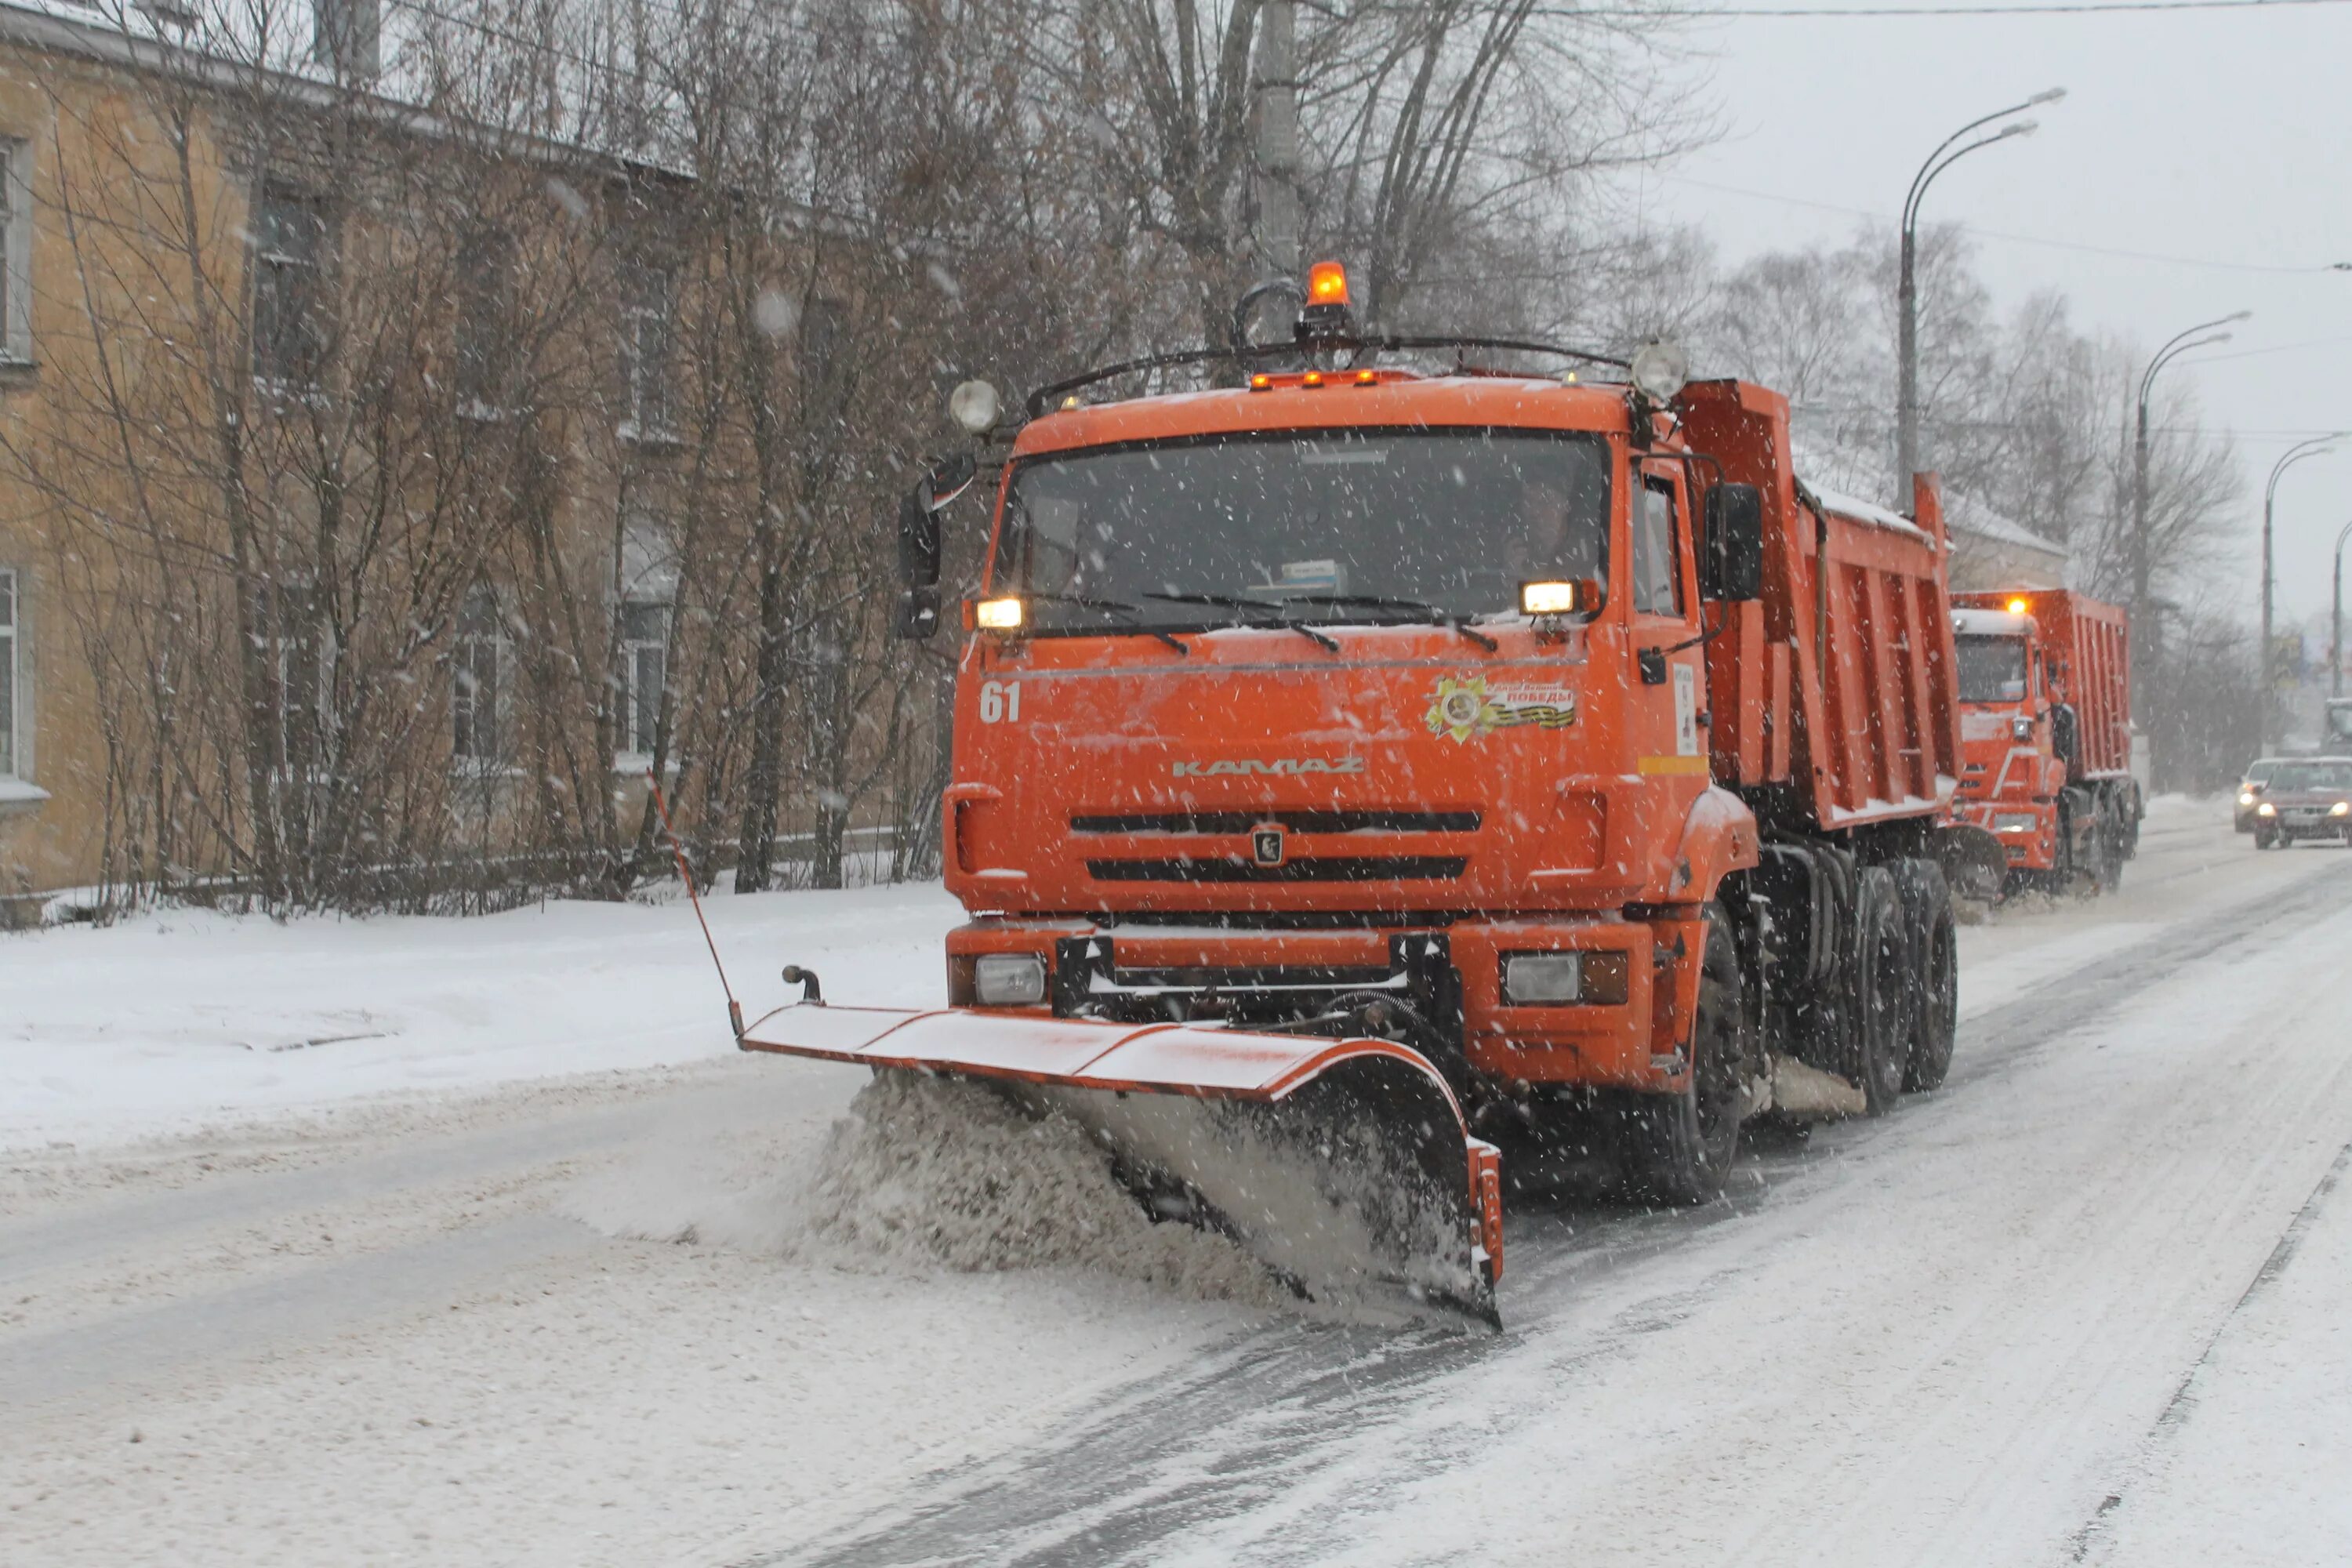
[(1159, 1462)]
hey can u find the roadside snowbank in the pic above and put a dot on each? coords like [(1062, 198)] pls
[(184, 1018)]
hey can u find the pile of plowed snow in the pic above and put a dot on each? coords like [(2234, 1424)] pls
[(921, 1173)]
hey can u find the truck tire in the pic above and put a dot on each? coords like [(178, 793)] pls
[(1678, 1148), (1934, 972), (1878, 987)]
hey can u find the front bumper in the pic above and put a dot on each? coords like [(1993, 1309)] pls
[(1449, 975), (2305, 822), (2027, 830)]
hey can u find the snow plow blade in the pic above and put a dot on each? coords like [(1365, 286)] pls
[(1343, 1166)]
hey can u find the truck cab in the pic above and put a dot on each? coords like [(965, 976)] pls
[(1327, 686), (2011, 771)]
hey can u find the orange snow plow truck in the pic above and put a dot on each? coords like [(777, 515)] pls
[(1369, 780), (2046, 735)]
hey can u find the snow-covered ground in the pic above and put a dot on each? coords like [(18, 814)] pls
[(187, 1017), (506, 1258)]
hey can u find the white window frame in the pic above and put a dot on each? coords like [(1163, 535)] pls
[(637, 738), (469, 644), (272, 265), (16, 722), (16, 251), (648, 327)]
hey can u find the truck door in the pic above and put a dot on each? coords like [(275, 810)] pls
[(1669, 687)]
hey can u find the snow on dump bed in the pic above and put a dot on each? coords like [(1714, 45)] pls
[(1867, 511), (922, 1174)]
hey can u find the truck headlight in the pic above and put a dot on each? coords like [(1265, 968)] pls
[(2341, 808), (1543, 979), (2021, 729), (2245, 797), (2014, 822), (1008, 979)]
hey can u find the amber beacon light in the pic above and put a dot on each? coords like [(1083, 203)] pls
[(1327, 284)]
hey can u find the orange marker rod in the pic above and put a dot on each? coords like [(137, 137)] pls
[(734, 1008)]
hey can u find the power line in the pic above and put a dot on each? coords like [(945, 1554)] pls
[(2087, 8), (2106, 250)]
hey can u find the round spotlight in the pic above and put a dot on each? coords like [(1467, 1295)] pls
[(975, 405), (1659, 371)]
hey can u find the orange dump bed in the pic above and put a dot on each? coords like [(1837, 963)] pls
[(1838, 684)]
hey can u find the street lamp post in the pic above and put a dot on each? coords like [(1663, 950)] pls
[(1906, 395), (2140, 564), (2319, 445), (2335, 621)]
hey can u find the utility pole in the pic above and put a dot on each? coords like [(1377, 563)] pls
[(1277, 139)]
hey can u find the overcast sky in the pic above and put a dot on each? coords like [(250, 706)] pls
[(2220, 138)]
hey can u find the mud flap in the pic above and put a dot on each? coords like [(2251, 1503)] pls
[(1975, 864), (1343, 1166)]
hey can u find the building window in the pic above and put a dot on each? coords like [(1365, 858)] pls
[(11, 662), (645, 672), (485, 331), (648, 338), (16, 251), (289, 302), (480, 663)]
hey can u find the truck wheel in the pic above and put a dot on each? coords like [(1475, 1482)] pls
[(1934, 972), (1879, 984), (1678, 1148)]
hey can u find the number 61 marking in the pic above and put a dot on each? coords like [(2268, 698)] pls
[(1000, 700)]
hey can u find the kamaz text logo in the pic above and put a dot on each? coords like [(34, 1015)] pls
[(1275, 767)]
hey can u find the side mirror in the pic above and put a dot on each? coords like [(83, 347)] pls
[(2064, 739), (1731, 556), (919, 615), (919, 518)]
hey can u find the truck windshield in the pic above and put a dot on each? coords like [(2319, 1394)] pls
[(1992, 669), (1328, 526)]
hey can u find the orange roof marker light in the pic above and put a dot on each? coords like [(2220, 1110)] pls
[(1327, 284), (1312, 378), (1261, 381), (1367, 378), (2017, 607)]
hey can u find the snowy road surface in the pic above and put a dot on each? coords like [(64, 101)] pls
[(385, 1298)]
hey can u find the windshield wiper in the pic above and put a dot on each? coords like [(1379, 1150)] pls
[(1119, 605), (1232, 601), (1436, 617)]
